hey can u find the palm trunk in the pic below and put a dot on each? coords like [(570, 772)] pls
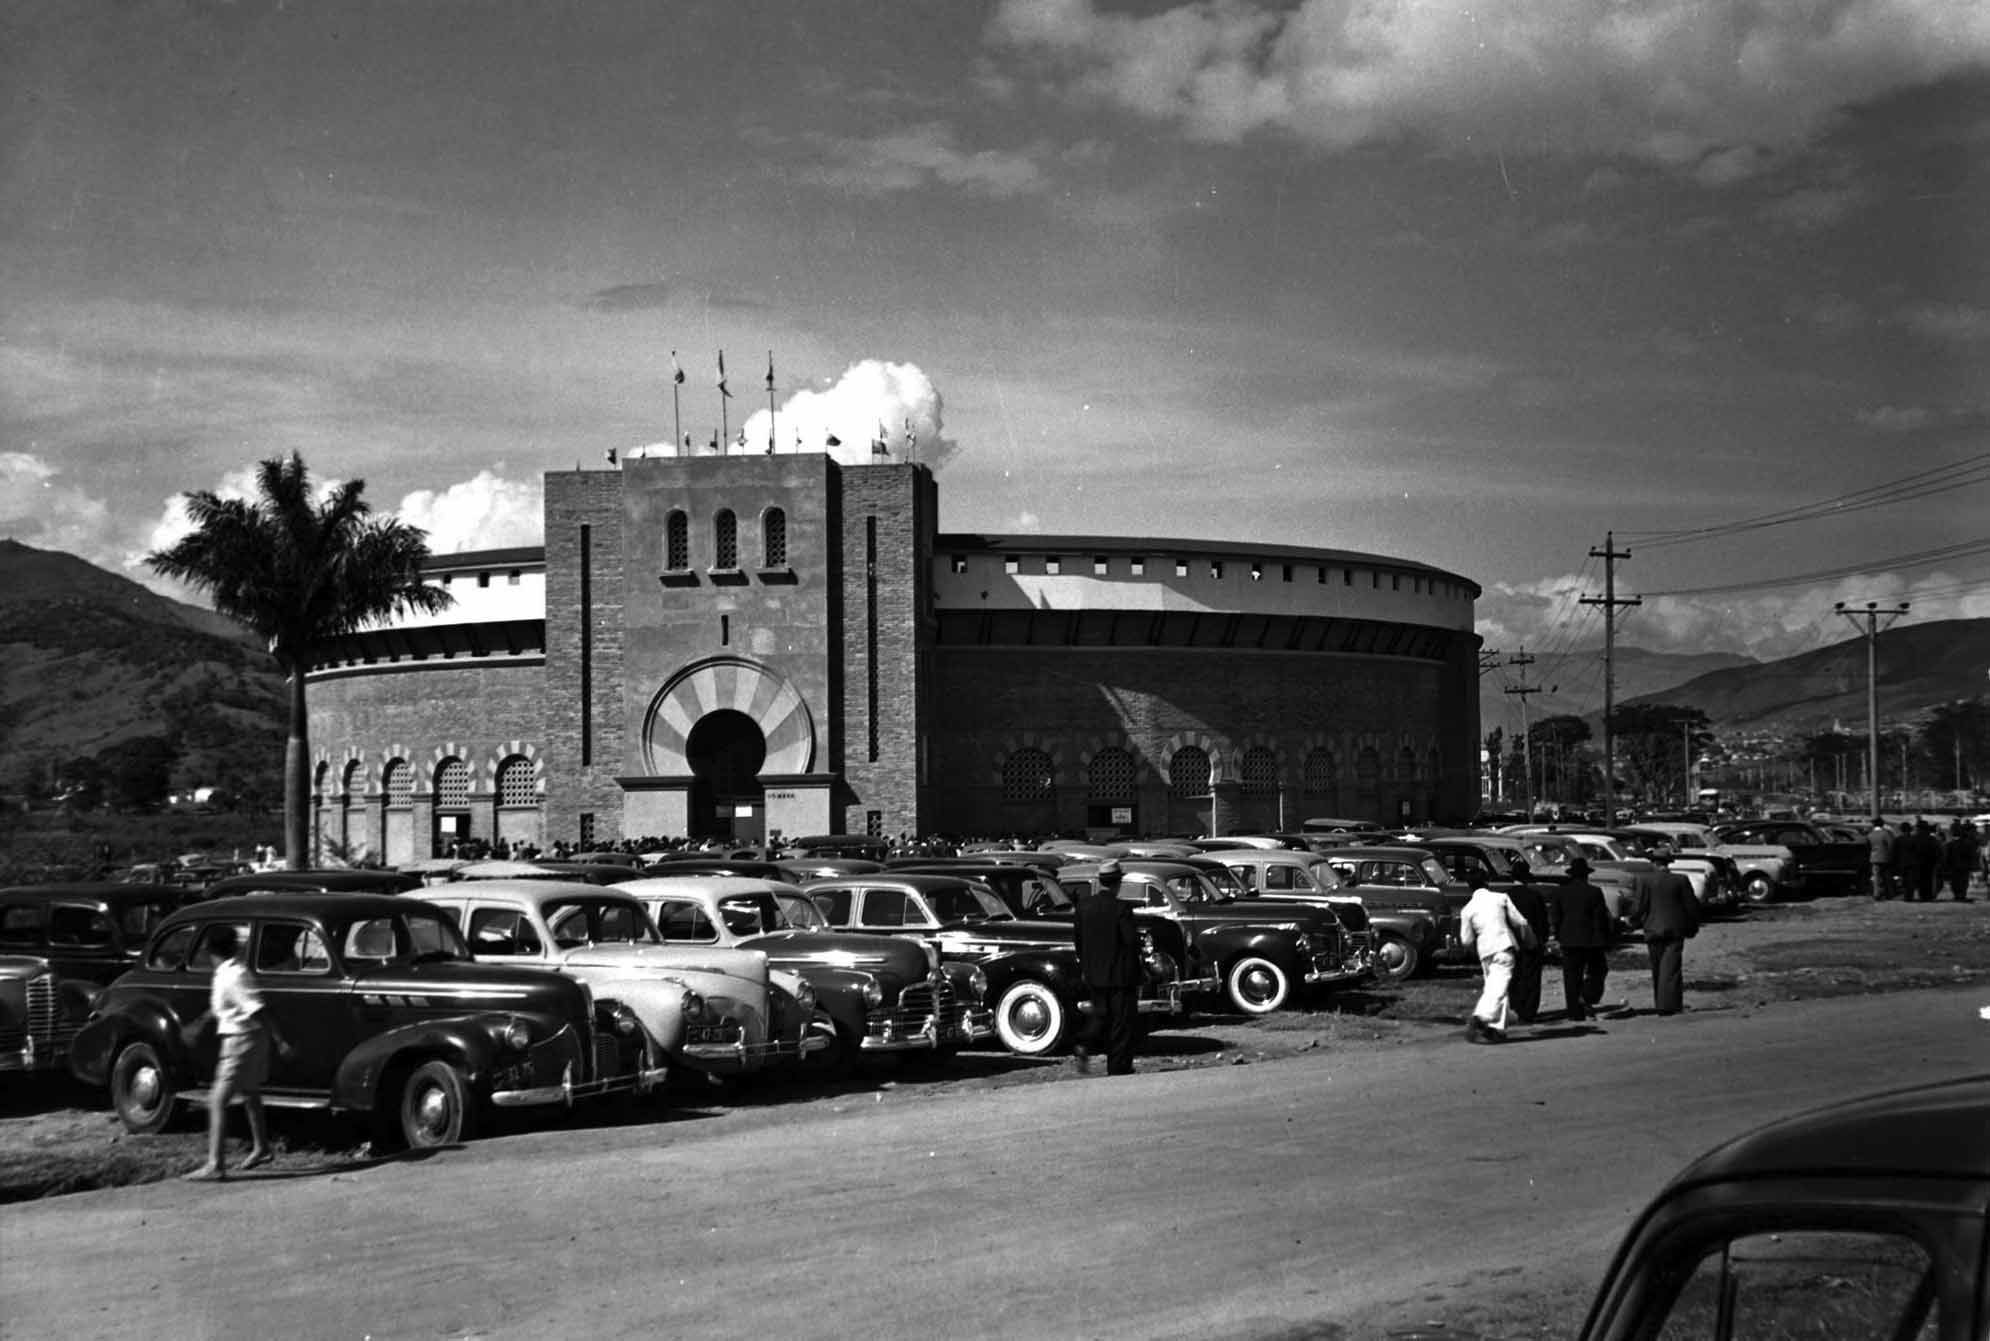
[(297, 779)]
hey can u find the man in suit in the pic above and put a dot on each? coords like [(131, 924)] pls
[(1669, 915), (1524, 996), (1579, 920), (1109, 956)]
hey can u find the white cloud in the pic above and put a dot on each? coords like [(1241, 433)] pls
[(1547, 616), (920, 156), (38, 509), (1669, 80), (487, 512), (872, 398)]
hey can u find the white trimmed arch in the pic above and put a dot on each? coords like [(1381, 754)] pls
[(1024, 740), (742, 686), (514, 749), (1201, 740)]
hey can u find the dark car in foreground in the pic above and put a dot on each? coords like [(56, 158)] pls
[(386, 1013), (1869, 1218)]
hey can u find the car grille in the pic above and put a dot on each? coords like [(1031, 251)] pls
[(1356, 947), (918, 1002)]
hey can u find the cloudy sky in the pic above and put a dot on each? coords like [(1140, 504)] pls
[(1472, 282)]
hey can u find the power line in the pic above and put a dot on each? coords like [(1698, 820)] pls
[(1967, 549), (1941, 479)]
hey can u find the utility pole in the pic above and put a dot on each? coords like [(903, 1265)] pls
[(1870, 618), (1609, 554), (1523, 689), (1686, 740)]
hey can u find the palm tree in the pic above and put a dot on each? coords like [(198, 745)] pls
[(299, 573)]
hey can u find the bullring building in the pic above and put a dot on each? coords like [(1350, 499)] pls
[(747, 644)]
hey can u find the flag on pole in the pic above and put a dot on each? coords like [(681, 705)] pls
[(723, 390), (611, 456), (742, 439), (878, 447), (831, 440), (770, 370), (676, 369)]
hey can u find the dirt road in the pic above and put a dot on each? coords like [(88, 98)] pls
[(1333, 1195)]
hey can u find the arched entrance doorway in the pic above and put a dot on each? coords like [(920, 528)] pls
[(726, 750)]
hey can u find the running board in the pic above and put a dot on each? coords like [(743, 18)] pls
[(269, 1100)]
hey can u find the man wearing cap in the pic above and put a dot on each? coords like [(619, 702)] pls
[(1109, 956), (1579, 920), (1668, 914)]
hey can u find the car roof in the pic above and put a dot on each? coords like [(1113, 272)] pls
[(714, 886), (1262, 856), (535, 892), (107, 891), (303, 903), (1940, 1129), (340, 880), (1405, 852), (903, 879)]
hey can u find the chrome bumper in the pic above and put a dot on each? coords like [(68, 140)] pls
[(976, 1023), (567, 1090), (1167, 999)]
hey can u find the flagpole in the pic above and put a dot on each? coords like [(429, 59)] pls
[(676, 412), (725, 427), (770, 402)]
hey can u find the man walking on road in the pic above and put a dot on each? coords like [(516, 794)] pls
[(1880, 857), (1669, 915), (1109, 956), (1525, 994), (1580, 921), (1493, 927)]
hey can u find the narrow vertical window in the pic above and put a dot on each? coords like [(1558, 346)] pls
[(677, 542), (725, 539), (774, 539)]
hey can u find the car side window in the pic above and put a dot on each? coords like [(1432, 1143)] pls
[(1828, 1284), (85, 928), (169, 953), (683, 921), (21, 925), (369, 944), (291, 947), (502, 931), (205, 956), (834, 905), (885, 908)]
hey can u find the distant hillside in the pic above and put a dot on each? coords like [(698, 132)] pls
[(90, 661), (1920, 666), (1571, 683)]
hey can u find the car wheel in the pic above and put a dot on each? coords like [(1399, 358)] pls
[(1760, 888), (437, 1108), (1397, 960), (1257, 986), (1030, 1020), (141, 1090)]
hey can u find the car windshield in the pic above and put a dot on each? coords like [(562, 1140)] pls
[(1195, 889), (1500, 860), (750, 914), (603, 921), (417, 936), (798, 914), (967, 903), (1228, 883), (1041, 897)]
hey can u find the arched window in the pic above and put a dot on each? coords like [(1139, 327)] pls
[(1259, 771), (1188, 772), (774, 539), (452, 783), (398, 781), (352, 783), (725, 539), (1320, 773), (321, 776), (677, 542), (517, 784), (1112, 775), (1027, 775)]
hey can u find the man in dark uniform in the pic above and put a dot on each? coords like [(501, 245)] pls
[(1524, 996), (1668, 914), (1109, 956), (1579, 919)]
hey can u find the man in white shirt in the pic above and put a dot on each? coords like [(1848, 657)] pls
[(246, 1040), (1494, 928)]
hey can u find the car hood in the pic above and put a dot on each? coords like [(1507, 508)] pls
[(886, 956), (477, 985), (749, 965)]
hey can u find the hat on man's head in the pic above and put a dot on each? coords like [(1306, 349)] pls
[(1578, 869), (1109, 870)]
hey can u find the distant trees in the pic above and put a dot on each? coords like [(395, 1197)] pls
[(299, 571), (1654, 744)]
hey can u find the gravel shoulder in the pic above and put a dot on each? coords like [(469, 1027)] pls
[(58, 1137)]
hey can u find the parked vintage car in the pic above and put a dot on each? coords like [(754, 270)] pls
[(61, 944), (1405, 876), (1404, 942), (340, 880), (1031, 966), (881, 993), (1715, 876), (387, 1015), (1868, 1218), (1261, 953), (726, 1013), (1819, 861)]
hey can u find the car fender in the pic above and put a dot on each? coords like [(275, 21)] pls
[(656, 1002), (464, 1040), (1057, 971), (1226, 945), (97, 1044), (839, 994)]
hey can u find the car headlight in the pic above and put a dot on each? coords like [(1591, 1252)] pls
[(805, 996), (977, 983), (1303, 943), (694, 1007), (515, 1035), (873, 993)]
